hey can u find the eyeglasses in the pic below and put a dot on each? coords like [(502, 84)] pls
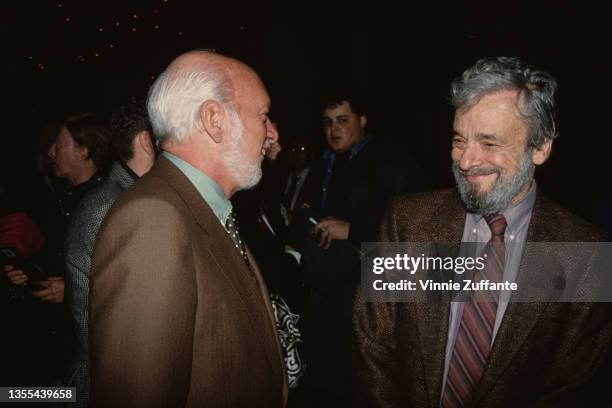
[(297, 149)]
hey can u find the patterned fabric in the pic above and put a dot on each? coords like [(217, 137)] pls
[(79, 246), (286, 321), (473, 342), (231, 225), (538, 343), (289, 336)]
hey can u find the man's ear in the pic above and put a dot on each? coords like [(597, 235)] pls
[(212, 116), (145, 141), (540, 154), (83, 153), (363, 121)]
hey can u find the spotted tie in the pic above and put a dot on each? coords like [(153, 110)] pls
[(231, 225)]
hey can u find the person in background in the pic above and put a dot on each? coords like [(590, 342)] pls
[(353, 182), (79, 153), (135, 152)]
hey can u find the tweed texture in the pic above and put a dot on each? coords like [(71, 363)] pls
[(545, 354), (176, 317)]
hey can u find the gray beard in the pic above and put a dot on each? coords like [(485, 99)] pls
[(501, 193), (246, 174)]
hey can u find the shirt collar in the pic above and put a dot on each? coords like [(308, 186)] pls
[(88, 184), (207, 187), (129, 171)]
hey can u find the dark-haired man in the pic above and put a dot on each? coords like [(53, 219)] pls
[(135, 152), (353, 182), (80, 154)]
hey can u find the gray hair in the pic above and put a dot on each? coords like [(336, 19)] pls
[(536, 90), (178, 93)]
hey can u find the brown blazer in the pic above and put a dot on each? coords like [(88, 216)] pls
[(176, 317), (544, 354)]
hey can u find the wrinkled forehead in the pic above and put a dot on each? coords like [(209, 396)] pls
[(493, 113), (504, 101), (491, 109)]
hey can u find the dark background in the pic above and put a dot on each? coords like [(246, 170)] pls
[(402, 58)]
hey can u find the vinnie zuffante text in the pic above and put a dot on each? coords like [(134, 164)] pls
[(410, 264)]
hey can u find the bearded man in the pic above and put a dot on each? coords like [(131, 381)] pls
[(179, 314), (490, 353)]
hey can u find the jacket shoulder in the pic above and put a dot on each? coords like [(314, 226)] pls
[(149, 195), (421, 216), (563, 225), (422, 204)]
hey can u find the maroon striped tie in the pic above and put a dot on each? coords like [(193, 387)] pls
[(473, 342)]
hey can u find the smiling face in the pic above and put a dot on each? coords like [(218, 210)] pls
[(343, 128), (491, 162)]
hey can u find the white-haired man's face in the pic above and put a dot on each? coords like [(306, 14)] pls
[(246, 172), (251, 133)]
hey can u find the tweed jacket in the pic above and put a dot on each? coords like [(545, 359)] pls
[(544, 354), (78, 250), (176, 316)]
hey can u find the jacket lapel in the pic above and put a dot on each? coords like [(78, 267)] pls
[(432, 315), (251, 289), (520, 317), (248, 285)]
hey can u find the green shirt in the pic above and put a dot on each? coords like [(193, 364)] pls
[(208, 189)]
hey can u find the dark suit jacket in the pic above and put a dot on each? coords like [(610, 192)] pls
[(305, 192), (362, 190), (176, 317), (360, 195), (544, 354)]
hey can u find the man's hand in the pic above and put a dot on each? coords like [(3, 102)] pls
[(53, 290), (331, 228), (16, 275)]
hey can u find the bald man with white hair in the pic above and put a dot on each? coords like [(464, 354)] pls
[(179, 313)]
